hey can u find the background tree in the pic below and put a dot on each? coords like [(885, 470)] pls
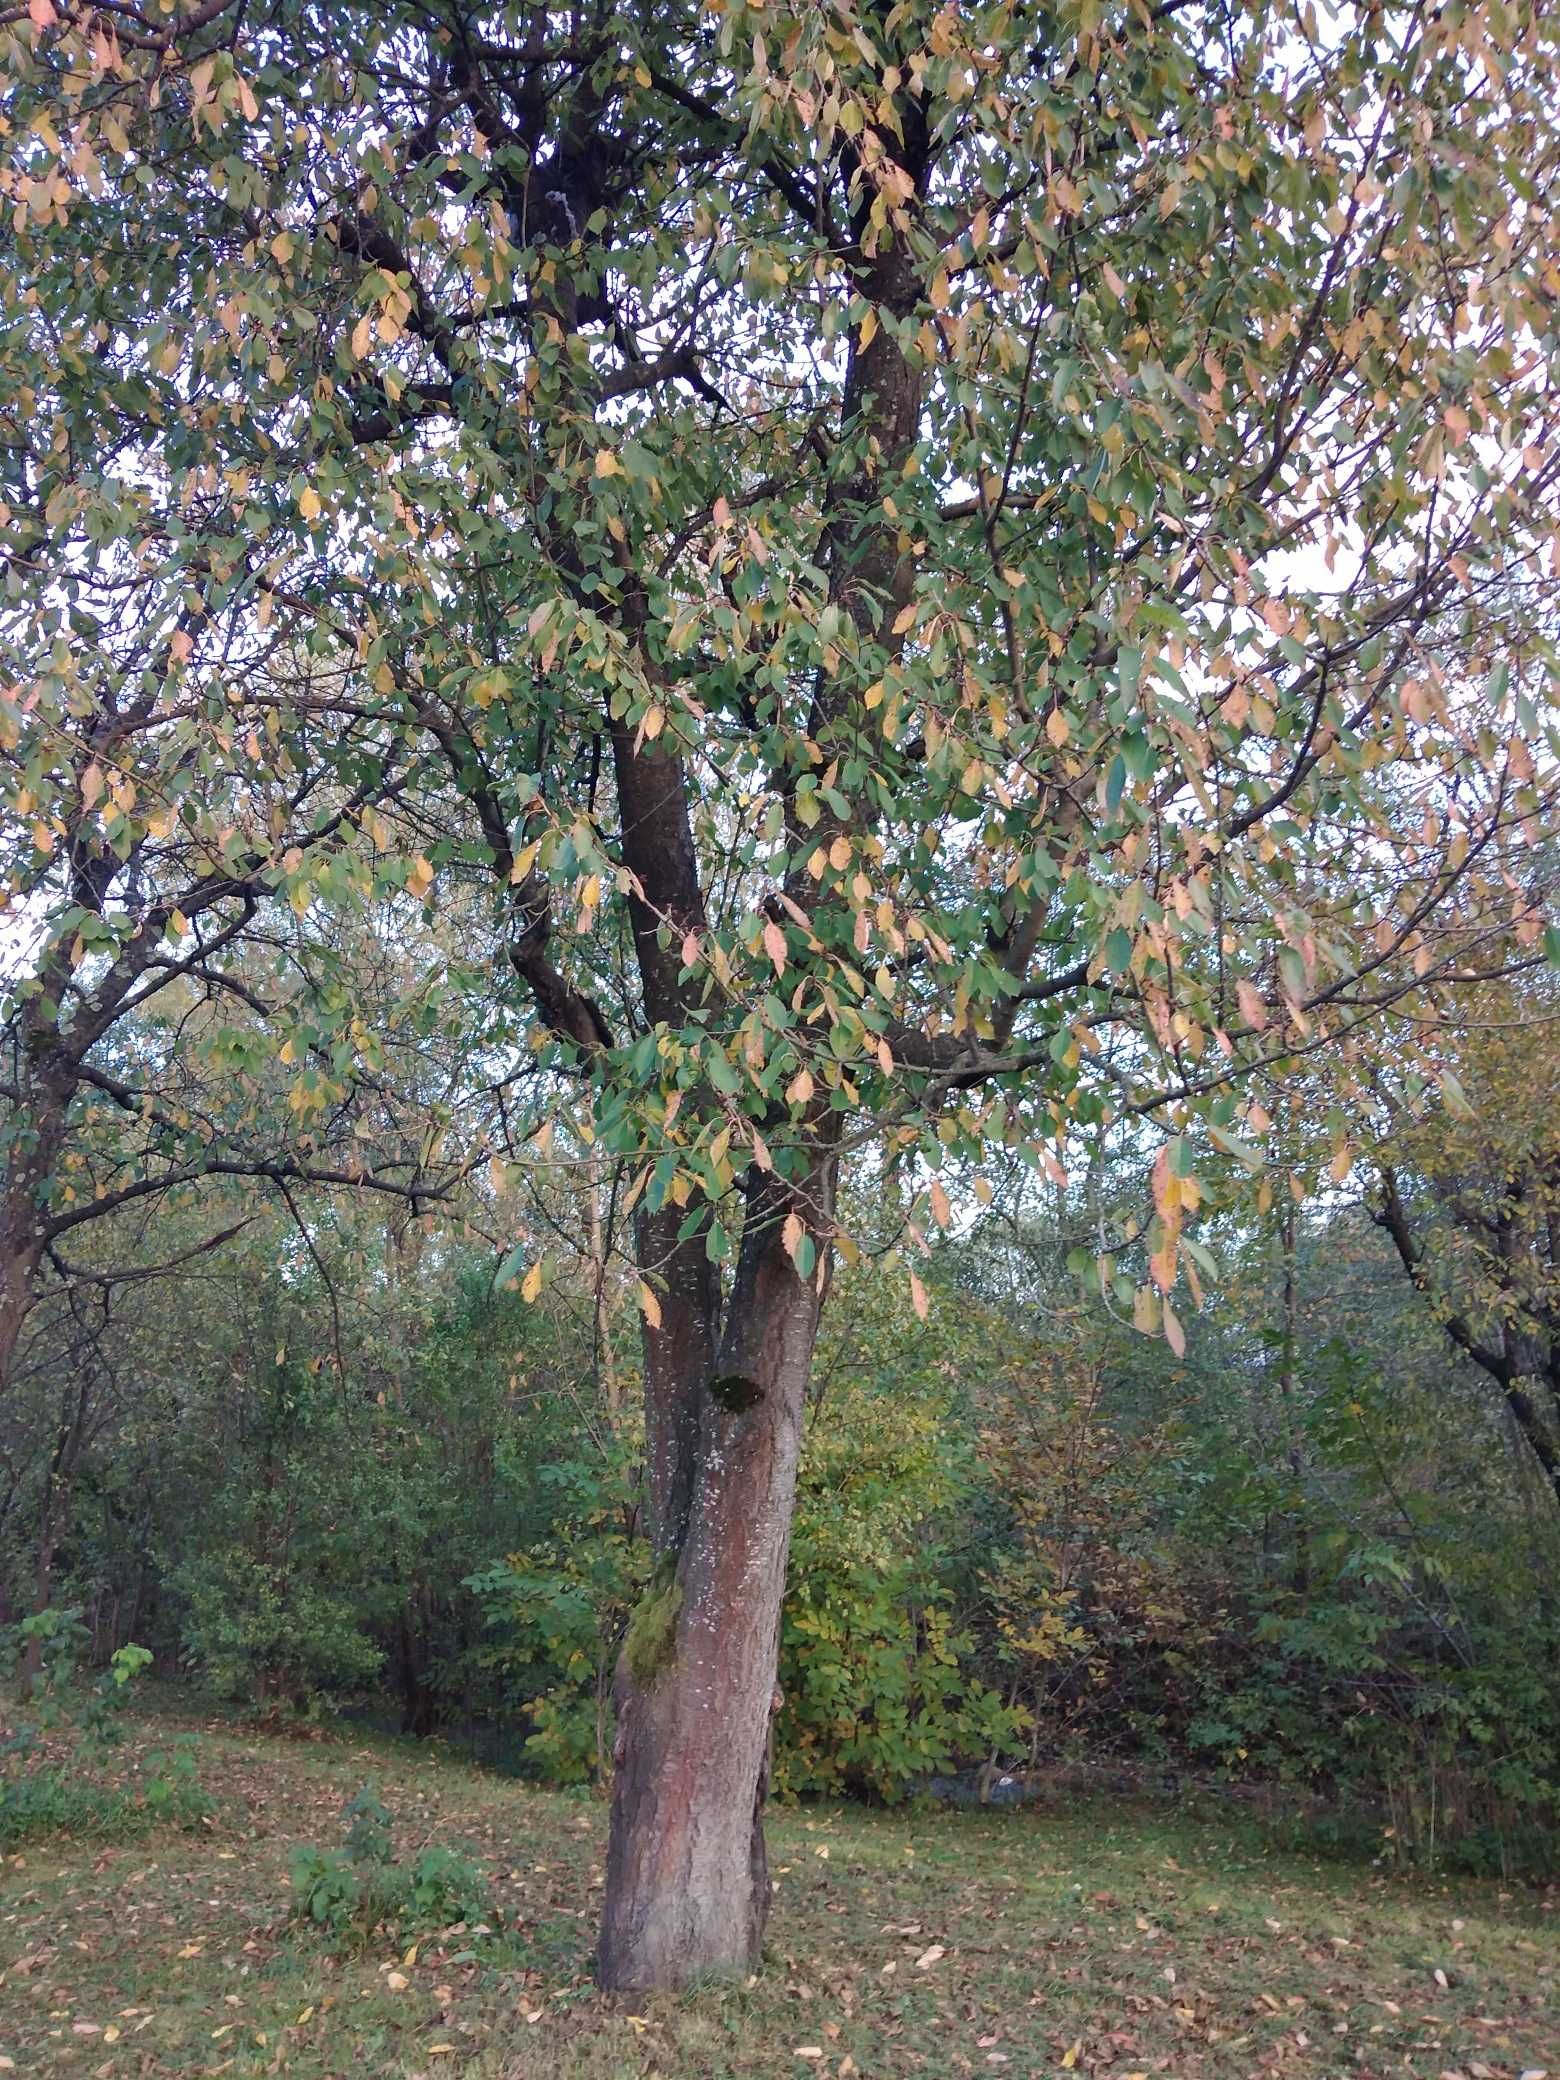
[(1468, 1189), (920, 538)]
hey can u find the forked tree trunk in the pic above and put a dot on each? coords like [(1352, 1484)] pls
[(687, 1889)]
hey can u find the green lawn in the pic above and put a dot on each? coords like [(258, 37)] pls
[(1095, 1939)]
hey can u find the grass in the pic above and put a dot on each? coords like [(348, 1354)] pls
[(1093, 1939)]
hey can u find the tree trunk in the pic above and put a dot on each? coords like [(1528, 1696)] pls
[(34, 1152), (21, 1252), (687, 1877)]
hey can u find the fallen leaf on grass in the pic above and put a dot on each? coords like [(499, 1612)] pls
[(929, 1957)]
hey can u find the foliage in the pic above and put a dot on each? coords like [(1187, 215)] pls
[(878, 1689), (56, 1780), (1136, 502), (557, 1612), (359, 1890)]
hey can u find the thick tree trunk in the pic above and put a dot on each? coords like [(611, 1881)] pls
[(687, 1878)]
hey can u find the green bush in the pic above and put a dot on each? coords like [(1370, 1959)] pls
[(875, 1672), (355, 1892), (54, 1781)]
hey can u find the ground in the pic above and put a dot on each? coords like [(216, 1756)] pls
[(1090, 1939)]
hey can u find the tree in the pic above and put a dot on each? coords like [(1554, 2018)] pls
[(178, 857), (913, 544), (1469, 1192)]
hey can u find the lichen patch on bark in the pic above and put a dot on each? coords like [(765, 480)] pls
[(651, 1638)]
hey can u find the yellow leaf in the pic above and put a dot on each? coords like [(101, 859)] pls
[(942, 1212), (607, 464), (1070, 2055), (309, 503), (866, 331), (531, 1284), (920, 1303), (1175, 1335), (650, 1305)]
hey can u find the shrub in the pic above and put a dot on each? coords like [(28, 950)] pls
[(354, 1892), (54, 1782)]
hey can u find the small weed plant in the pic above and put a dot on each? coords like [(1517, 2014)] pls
[(355, 1892)]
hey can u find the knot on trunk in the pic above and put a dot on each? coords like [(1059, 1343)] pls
[(735, 1392)]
